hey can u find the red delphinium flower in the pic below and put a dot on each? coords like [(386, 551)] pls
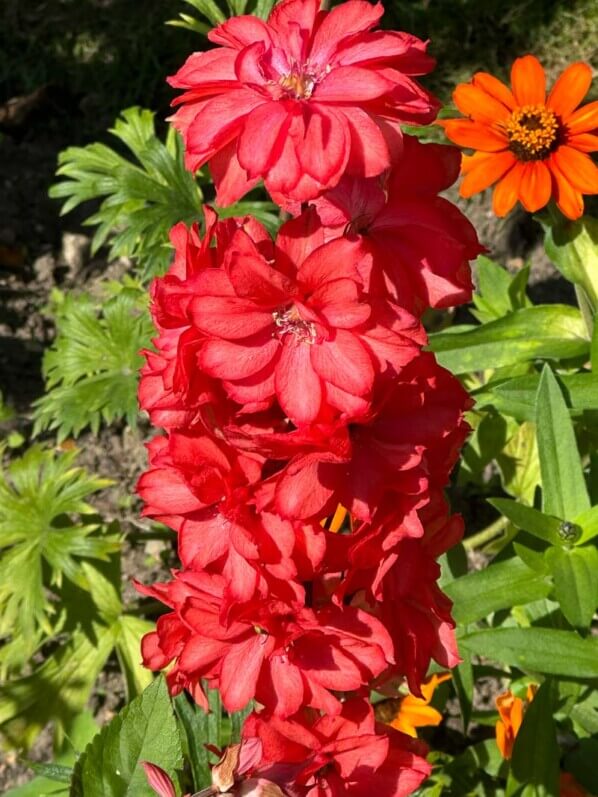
[(284, 657), (418, 244), (300, 329), (347, 754), (202, 488), (301, 99), (410, 441)]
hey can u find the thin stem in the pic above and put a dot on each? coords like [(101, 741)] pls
[(486, 535)]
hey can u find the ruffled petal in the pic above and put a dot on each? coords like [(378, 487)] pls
[(528, 80), (570, 89), (298, 386)]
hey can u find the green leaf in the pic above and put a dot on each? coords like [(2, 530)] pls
[(575, 583), (519, 464), (573, 248), (588, 522), (547, 331), (464, 681), (498, 293), (543, 650), (564, 492), (517, 397), (92, 368), (143, 196), (545, 527), (128, 646), (59, 689), (534, 770), (56, 772), (499, 586), (47, 530), (145, 730)]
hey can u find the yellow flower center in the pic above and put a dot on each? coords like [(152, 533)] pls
[(533, 132), (298, 85)]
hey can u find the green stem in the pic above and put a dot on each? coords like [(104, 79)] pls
[(486, 535)]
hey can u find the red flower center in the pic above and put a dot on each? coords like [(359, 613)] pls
[(533, 132), (298, 85), (289, 322)]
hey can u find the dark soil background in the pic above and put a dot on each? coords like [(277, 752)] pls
[(68, 67)]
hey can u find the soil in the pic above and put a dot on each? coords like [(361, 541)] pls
[(39, 251)]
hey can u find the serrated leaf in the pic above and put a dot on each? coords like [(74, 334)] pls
[(546, 331), (45, 535), (544, 650), (92, 368), (143, 197), (534, 770), (564, 492), (575, 582), (145, 730), (499, 586)]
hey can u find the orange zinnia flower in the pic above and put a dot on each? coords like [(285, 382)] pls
[(535, 147), (416, 712)]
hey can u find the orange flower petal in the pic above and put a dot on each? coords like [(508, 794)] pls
[(466, 133), (484, 168), (570, 89), (528, 81), (584, 119), (505, 744), (536, 185), (495, 88), (568, 199), (506, 192), (578, 168), (479, 105), (584, 142)]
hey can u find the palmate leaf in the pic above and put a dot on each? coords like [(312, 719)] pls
[(92, 369), (46, 529), (142, 198)]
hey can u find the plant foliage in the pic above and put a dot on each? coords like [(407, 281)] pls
[(92, 369)]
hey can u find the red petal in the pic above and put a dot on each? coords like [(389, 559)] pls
[(344, 363), (227, 360), (240, 671), (297, 386), (262, 139)]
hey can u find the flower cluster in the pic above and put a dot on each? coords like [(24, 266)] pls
[(291, 382)]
